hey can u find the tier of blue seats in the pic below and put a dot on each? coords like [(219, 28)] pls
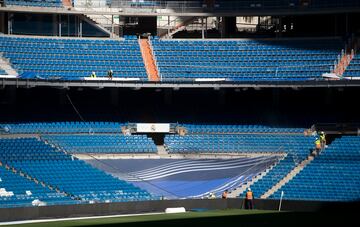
[(206, 128), (37, 3), (278, 172), (332, 176), (73, 59), (26, 191), (353, 69), (246, 60), (244, 143), (66, 173), (61, 127), (2, 72), (103, 143)]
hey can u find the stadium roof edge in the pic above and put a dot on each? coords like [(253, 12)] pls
[(115, 84), (263, 12)]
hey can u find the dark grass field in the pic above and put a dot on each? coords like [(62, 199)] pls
[(219, 218)]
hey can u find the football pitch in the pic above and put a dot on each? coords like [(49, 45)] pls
[(219, 218)]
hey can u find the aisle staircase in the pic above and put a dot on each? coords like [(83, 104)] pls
[(149, 60), (288, 177)]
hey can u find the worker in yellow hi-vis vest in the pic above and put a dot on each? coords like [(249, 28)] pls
[(322, 140), (317, 146)]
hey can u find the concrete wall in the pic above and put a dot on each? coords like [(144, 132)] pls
[(26, 213)]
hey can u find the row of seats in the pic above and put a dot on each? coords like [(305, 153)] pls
[(278, 172), (16, 190), (67, 173), (51, 57), (34, 3), (353, 69), (271, 60), (62, 127), (244, 143), (218, 128), (103, 143), (334, 175)]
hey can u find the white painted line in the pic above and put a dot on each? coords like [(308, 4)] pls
[(72, 219)]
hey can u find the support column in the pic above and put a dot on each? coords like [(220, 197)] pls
[(202, 28), (206, 27), (112, 26), (59, 25), (80, 27), (168, 27), (10, 23)]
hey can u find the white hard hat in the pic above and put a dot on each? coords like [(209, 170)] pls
[(249, 189)]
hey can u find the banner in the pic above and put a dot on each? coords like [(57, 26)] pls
[(152, 127)]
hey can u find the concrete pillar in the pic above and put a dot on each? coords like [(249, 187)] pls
[(59, 24), (10, 22), (80, 27), (202, 28)]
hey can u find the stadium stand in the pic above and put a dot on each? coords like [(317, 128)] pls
[(277, 173), (34, 3), (61, 127), (353, 69), (246, 60), (16, 190), (245, 143), (217, 128), (73, 59), (66, 173), (103, 143), (332, 176)]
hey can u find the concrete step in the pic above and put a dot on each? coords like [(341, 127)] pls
[(161, 150)]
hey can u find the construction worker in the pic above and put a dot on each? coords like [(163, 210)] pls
[(225, 194), (110, 74), (317, 145), (322, 140), (93, 74), (249, 204)]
